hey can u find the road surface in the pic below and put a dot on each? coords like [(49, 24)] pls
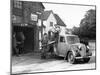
[(31, 63)]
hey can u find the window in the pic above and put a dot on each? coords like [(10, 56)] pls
[(17, 4), (62, 39), (73, 39), (51, 23)]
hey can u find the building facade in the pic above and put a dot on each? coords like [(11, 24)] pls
[(49, 21), (25, 17), (60, 24), (52, 21)]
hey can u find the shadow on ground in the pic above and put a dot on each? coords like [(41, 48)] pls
[(30, 58)]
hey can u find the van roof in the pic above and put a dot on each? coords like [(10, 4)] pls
[(67, 35)]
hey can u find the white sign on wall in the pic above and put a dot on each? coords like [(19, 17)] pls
[(13, 17), (34, 17), (16, 19)]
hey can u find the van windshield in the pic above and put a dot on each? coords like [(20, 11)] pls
[(73, 39)]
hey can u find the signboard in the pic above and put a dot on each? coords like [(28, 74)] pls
[(34, 17), (13, 17), (16, 19)]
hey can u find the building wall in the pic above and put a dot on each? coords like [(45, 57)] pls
[(33, 8), (40, 30), (29, 8), (62, 30), (16, 19), (23, 17), (16, 13), (51, 18), (24, 13)]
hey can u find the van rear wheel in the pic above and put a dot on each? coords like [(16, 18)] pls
[(71, 58)]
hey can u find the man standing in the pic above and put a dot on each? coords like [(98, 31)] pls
[(44, 46), (16, 51), (20, 41)]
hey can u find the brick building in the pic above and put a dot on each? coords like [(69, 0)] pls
[(25, 17)]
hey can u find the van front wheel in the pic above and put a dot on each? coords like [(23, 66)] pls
[(71, 58)]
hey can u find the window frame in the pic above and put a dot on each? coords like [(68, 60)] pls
[(18, 4), (63, 39), (51, 24)]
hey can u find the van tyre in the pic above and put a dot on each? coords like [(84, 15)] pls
[(71, 58)]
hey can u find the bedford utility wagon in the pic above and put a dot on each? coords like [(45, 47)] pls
[(69, 47)]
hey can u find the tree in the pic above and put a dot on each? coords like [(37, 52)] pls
[(87, 25), (75, 30)]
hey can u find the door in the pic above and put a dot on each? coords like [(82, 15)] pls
[(62, 46), (29, 39)]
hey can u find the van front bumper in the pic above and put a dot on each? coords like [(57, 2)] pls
[(83, 57), (88, 55)]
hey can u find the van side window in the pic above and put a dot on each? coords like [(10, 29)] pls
[(62, 39)]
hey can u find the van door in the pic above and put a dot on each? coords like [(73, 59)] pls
[(62, 46)]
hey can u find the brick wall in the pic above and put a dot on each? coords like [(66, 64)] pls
[(24, 14), (31, 7)]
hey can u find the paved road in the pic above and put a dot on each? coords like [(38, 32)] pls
[(32, 63)]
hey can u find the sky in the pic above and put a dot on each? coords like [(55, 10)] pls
[(70, 14)]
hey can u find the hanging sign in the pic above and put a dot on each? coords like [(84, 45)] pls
[(34, 17)]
